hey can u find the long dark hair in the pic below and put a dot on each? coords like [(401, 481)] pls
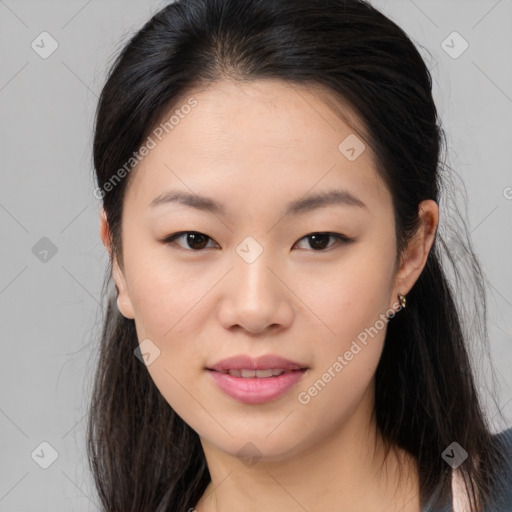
[(142, 454)]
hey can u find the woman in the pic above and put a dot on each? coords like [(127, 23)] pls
[(283, 334)]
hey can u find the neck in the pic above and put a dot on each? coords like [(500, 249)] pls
[(347, 470)]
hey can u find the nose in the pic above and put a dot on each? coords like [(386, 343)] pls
[(256, 298)]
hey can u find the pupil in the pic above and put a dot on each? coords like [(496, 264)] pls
[(196, 238), (318, 241)]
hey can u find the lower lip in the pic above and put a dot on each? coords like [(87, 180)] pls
[(255, 390)]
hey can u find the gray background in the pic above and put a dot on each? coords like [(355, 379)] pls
[(49, 309)]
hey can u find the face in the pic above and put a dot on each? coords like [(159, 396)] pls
[(264, 269)]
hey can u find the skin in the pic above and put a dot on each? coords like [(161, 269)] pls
[(255, 147)]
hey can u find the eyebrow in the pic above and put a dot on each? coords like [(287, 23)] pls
[(312, 202)]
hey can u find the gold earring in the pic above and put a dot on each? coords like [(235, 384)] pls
[(402, 300)]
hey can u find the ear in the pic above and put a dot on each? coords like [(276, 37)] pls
[(415, 256), (123, 299)]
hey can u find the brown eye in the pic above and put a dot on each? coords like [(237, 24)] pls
[(196, 241), (193, 240), (320, 241)]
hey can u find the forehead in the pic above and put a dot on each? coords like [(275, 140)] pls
[(268, 112), (266, 136)]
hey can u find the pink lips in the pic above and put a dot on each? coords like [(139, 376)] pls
[(256, 390)]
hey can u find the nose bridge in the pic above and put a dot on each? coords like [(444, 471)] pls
[(253, 276)]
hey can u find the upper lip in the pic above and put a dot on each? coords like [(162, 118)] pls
[(245, 362)]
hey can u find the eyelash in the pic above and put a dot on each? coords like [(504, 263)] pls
[(340, 237)]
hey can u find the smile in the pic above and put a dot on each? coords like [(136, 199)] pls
[(256, 386)]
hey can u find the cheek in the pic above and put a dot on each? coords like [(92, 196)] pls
[(173, 379), (351, 306), (345, 362), (167, 299), (348, 298), (169, 311)]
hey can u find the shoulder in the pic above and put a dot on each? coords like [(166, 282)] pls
[(503, 442), (502, 485), (505, 438)]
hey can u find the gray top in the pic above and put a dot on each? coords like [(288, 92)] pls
[(502, 495), (501, 500)]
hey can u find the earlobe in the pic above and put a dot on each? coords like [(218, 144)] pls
[(125, 306), (417, 252), (124, 303)]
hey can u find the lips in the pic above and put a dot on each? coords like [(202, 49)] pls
[(256, 380), (267, 362), (260, 374)]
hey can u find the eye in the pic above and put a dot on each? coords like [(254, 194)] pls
[(194, 239), (319, 241), (197, 241)]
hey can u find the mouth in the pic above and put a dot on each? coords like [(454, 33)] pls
[(246, 373), (256, 381), (266, 363)]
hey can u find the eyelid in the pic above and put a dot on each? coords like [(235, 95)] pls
[(343, 239), (170, 239)]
